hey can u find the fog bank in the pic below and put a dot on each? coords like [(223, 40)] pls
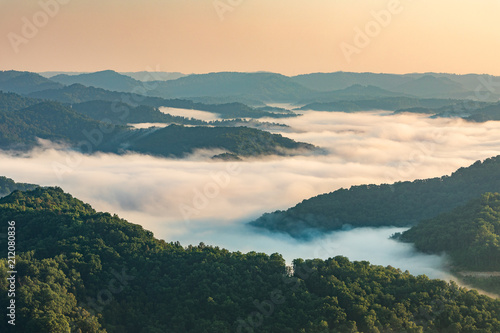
[(197, 199)]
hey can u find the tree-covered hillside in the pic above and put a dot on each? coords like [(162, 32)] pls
[(381, 103), (78, 270), (486, 113), (107, 79), (469, 234), (25, 82), (178, 140), (398, 204), (12, 102), (46, 120), (7, 186), (78, 93), (123, 113), (21, 129)]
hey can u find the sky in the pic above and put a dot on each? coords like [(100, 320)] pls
[(289, 37)]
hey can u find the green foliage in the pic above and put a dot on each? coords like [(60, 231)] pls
[(60, 123), (487, 113), (381, 103), (85, 271), (25, 82), (490, 284), (78, 93), (469, 234), (46, 120), (398, 204), (7, 186), (123, 114), (177, 140), (13, 102)]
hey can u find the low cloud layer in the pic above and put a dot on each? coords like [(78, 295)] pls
[(197, 199), (202, 115)]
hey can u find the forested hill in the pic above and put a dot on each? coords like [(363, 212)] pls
[(78, 93), (79, 270), (398, 204), (21, 129), (124, 114), (47, 120), (12, 102), (176, 140), (469, 234), (7, 186)]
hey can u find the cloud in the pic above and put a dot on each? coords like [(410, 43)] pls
[(202, 115), (197, 199)]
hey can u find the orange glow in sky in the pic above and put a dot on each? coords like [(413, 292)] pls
[(289, 37)]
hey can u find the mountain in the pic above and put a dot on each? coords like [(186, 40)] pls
[(267, 87), (12, 101), (7, 186), (21, 129), (354, 92), (257, 86), (431, 86), (50, 74), (78, 93), (481, 86), (343, 80), (109, 80), (486, 113), (384, 103), (146, 76), (469, 234), (25, 82), (425, 85), (79, 270), (398, 204), (124, 114), (176, 140), (47, 120)]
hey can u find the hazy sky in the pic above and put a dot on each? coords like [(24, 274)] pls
[(290, 37)]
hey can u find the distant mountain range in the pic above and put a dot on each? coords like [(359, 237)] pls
[(266, 87), (425, 85), (109, 80), (439, 95), (25, 82), (272, 87), (144, 76)]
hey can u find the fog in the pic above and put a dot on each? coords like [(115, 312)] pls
[(202, 115), (198, 200), (148, 125)]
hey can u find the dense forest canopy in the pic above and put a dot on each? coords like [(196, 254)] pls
[(469, 234), (101, 126), (80, 270), (7, 186), (177, 140), (398, 204)]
